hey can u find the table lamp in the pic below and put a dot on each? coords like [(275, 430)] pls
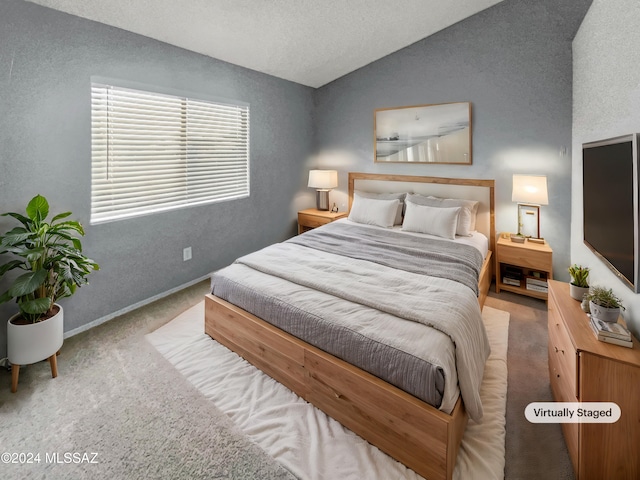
[(323, 181)]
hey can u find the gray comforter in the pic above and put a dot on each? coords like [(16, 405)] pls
[(357, 305), (438, 258)]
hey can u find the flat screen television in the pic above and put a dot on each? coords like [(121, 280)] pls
[(610, 200)]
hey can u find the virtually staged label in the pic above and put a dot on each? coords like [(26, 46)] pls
[(572, 412)]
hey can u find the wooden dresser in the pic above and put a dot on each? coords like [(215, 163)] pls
[(583, 369)]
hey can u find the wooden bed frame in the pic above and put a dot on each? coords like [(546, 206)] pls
[(413, 432)]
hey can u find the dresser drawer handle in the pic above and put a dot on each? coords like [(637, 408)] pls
[(556, 349)]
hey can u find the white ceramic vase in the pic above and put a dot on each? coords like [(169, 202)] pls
[(577, 293), (34, 342), (603, 313)]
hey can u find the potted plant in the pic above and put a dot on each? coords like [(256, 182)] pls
[(579, 285), (604, 304), (51, 256)]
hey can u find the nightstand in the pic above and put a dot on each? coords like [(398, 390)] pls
[(523, 268), (312, 218)]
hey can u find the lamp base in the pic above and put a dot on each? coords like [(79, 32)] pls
[(322, 199)]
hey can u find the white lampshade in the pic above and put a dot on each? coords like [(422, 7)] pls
[(530, 189), (323, 179)]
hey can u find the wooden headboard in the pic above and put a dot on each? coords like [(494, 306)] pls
[(464, 188)]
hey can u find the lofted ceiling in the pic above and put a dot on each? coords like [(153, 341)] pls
[(311, 42)]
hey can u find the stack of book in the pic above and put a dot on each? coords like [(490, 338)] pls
[(611, 333), (537, 284), (512, 276)]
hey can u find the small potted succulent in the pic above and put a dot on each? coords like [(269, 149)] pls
[(579, 285), (604, 304)]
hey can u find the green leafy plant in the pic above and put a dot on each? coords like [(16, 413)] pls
[(50, 253), (579, 275), (604, 297)]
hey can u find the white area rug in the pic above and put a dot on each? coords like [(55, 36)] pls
[(310, 444)]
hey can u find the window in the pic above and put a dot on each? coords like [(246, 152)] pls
[(153, 152)]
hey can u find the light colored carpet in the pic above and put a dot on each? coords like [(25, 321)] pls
[(117, 397), (533, 450), (302, 438)]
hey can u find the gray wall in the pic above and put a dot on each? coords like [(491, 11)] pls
[(513, 62), (606, 86), (46, 61)]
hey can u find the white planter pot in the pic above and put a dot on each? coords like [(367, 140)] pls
[(34, 342), (603, 313), (577, 293)]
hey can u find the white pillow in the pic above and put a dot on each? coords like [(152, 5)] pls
[(468, 210), (469, 207), (439, 221), (372, 211), (387, 196)]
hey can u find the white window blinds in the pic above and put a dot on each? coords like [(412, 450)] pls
[(152, 152)]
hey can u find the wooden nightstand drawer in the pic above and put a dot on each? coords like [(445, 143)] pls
[(312, 218), (312, 221), (537, 260)]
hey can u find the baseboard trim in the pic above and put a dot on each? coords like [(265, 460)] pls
[(130, 308)]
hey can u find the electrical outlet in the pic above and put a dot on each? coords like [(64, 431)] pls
[(186, 254)]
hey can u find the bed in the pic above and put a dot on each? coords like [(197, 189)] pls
[(385, 411)]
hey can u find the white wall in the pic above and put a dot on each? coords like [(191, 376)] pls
[(606, 103)]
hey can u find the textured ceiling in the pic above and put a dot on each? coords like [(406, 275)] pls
[(311, 42)]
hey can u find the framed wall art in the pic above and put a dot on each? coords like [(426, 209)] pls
[(438, 133), (529, 220)]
